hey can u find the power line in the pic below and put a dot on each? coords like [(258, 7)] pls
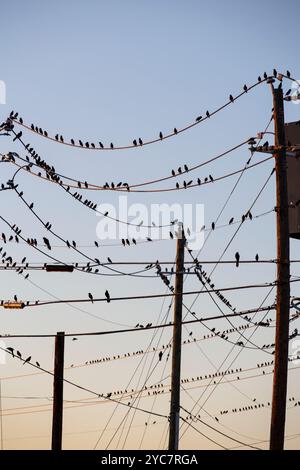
[(149, 296), (59, 139)]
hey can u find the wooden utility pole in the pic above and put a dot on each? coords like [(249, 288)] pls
[(283, 279), (58, 383), (176, 352)]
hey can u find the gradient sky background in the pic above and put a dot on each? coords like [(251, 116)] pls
[(114, 71)]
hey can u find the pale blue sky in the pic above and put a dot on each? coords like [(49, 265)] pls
[(115, 71)]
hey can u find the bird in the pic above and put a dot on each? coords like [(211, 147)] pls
[(237, 257), (11, 350), (213, 226), (111, 145), (74, 339), (288, 73), (91, 297), (134, 142), (171, 235), (211, 178), (140, 141), (72, 141), (17, 136), (256, 257), (231, 98), (27, 360), (245, 88), (175, 130), (198, 118), (107, 296), (231, 220), (160, 355), (207, 114), (38, 364)]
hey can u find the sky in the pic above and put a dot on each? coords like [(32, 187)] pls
[(113, 72)]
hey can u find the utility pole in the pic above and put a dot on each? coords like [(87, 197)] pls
[(283, 279), (58, 383), (176, 352)]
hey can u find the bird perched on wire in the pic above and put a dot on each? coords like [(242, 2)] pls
[(237, 258), (91, 297), (107, 296), (160, 355), (11, 351), (27, 360)]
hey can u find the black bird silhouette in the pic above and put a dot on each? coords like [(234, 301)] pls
[(72, 141), (231, 98), (18, 136), (11, 350), (38, 364), (140, 141), (175, 130), (231, 220), (27, 360), (245, 88), (173, 173), (198, 118), (213, 226), (211, 178), (171, 235), (237, 257), (111, 145), (134, 142), (107, 296), (288, 73), (207, 114), (19, 354), (160, 355), (161, 135), (91, 297), (101, 145), (256, 257)]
